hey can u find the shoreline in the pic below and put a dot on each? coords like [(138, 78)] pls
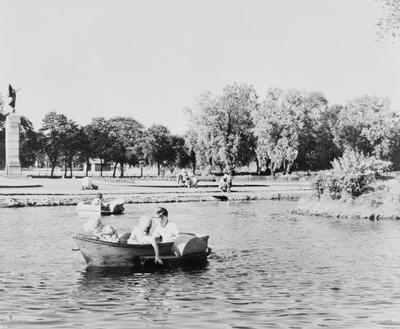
[(50, 200), (32, 192)]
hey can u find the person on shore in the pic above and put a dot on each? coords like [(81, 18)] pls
[(225, 183), (142, 234), (165, 231)]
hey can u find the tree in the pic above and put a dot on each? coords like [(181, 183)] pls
[(221, 125), (369, 125), (159, 147), (389, 23), (51, 137), (127, 136), (276, 127), (100, 142), (29, 144)]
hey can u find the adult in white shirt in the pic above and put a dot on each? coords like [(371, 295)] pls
[(165, 230)]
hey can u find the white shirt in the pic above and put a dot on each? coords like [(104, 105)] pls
[(168, 232)]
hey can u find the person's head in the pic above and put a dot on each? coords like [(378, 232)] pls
[(99, 195), (145, 223), (162, 213)]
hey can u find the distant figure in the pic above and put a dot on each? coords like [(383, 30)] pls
[(165, 231), (87, 184), (225, 183), (141, 235), (13, 95), (191, 181), (98, 200), (181, 179)]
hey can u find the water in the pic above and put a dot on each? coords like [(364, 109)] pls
[(270, 269)]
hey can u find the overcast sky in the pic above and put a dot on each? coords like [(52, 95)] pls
[(150, 59)]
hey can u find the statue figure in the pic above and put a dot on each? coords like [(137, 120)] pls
[(13, 95)]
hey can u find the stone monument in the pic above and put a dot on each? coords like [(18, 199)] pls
[(13, 165)]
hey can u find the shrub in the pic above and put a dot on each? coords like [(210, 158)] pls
[(351, 174)]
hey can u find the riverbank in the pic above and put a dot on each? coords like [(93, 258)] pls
[(63, 192), (380, 202)]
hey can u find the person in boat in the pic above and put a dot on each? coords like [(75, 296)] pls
[(102, 232), (225, 183), (141, 234), (98, 200), (165, 231)]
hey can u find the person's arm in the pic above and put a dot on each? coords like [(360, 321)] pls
[(156, 251)]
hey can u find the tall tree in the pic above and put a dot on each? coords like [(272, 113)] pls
[(127, 134), (224, 124), (369, 125), (159, 147), (100, 142), (52, 137)]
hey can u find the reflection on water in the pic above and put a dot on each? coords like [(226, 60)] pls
[(269, 268)]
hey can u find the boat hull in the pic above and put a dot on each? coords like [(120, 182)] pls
[(99, 253)]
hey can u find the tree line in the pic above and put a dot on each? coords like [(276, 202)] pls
[(283, 131)]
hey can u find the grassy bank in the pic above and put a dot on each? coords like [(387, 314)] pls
[(381, 201)]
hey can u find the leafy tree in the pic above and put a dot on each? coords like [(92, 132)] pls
[(159, 147), (52, 137), (223, 124), (389, 23), (29, 144), (100, 141), (369, 125), (127, 136), (276, 127)]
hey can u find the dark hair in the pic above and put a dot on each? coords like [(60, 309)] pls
[(162, 212), (99, 195)]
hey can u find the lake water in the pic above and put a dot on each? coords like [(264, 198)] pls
[(269, 269)]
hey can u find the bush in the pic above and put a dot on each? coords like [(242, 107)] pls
[(351, 174)]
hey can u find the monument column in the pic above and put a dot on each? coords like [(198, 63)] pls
[(13, 165)]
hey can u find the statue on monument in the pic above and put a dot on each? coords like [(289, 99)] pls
[(13, 95)]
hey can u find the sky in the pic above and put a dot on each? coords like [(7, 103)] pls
[(151, 59)]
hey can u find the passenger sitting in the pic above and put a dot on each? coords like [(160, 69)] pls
[(87, 184), (165, 230), (108, 233), (225, 183), (98, 200), (141, 234), (103, 232)]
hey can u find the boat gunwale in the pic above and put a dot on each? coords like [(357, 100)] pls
[(86, 238)]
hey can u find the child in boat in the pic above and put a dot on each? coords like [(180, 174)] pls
[(165, 230), (141, 235), (102, 232)]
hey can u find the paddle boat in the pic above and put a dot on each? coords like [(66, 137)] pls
[(113, 207), (186, 249)]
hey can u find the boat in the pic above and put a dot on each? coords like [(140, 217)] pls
[(113, 207), (186, 249)]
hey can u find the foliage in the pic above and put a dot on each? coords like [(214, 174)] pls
[(221, 125), (159, 148), (127, 137), (351, 174), (369, 125), (389, 23)]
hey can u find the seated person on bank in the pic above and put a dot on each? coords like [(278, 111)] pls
[(225, 183), (98, 200), (141, 235), (165, 231)]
